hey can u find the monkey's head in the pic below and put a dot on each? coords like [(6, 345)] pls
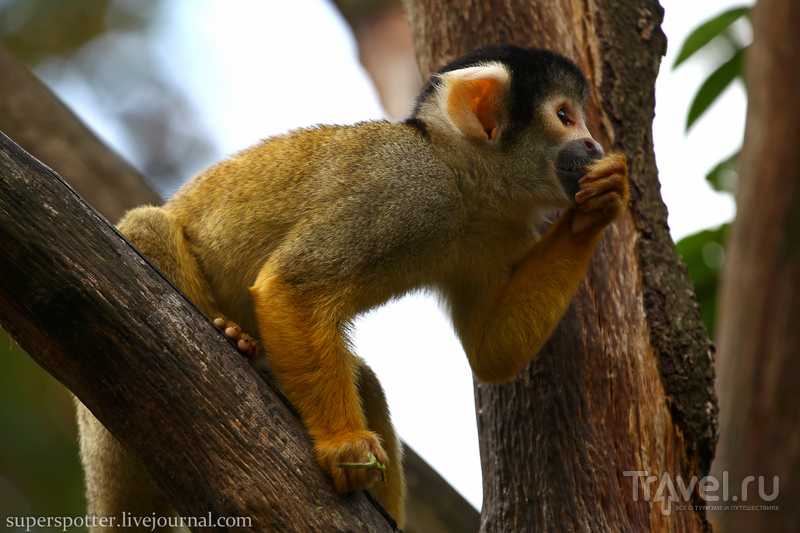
[(516, 112)]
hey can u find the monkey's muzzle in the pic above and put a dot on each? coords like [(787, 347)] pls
[(572, 160)]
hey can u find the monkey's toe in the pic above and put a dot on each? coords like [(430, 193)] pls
[(244, 342)]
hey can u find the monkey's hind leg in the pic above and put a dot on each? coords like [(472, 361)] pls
[(161, 238), (115, 480), (392, 492), (156, 233)]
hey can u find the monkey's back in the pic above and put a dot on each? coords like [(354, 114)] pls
[(327, 205)]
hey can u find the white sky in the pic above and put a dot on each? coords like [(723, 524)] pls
[(259, 68)]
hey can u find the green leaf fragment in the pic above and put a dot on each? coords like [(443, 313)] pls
[(725, 176), (707, 31), (373, 463), (704, 255), (717, 82)]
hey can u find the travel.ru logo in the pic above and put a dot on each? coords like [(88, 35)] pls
[(678, 494)]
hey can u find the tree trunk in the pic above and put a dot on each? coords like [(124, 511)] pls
[(97, 315), (381, 30), (759, 337), (624, 388)]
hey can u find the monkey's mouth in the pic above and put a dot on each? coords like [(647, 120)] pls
[(570, 168), (569, 165), (570, 175)]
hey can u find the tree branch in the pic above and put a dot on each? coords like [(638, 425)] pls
[(99, 316), (39, 122)]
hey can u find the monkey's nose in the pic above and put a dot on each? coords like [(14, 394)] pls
[(593, 149)]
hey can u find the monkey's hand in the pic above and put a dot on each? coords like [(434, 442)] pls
[(603, 195), (355, 460), (244, 342)]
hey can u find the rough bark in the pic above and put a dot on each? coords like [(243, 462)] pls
[(626, 381), (97, 315), (759, 337)]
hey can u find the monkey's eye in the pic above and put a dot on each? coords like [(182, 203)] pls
[(563, 117)]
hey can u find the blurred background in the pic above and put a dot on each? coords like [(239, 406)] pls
[(174, 85)]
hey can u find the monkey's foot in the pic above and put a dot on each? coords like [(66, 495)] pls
[(355, 460), (603, 195), (244, 342)]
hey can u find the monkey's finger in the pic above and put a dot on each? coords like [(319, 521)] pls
[(611, 164), (610, 204), (591, 189), (357, 477), (352, 459)]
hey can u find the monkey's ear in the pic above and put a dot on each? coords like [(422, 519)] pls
[(473, 99)]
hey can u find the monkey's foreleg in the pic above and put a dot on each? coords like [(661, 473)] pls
[(317, 372), (514, 324)]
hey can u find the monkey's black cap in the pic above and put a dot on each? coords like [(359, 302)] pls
[(535, 75)]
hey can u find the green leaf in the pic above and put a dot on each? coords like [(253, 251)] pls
[(714, 85), (725, 176), (704, 255), (372, 464), (706, 32)]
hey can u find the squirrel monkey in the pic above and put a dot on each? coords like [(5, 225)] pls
[(296, 236)]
